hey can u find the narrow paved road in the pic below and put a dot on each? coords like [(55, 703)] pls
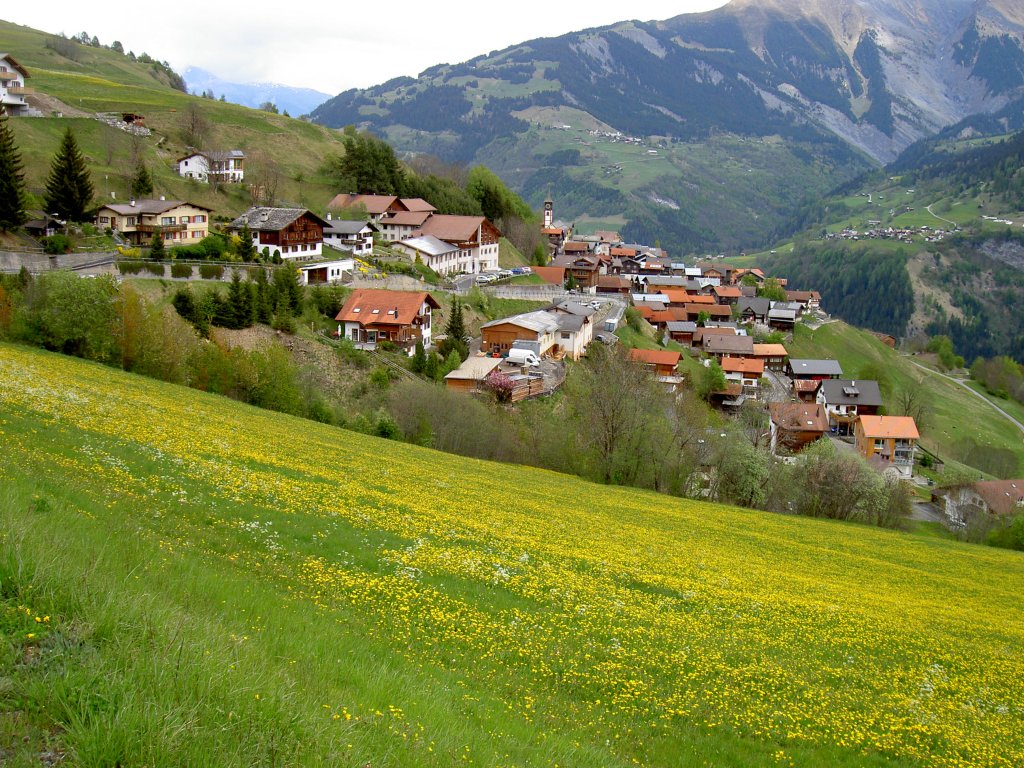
[(933, 213), (969, 389)]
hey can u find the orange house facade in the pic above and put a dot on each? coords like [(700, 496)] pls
[(890, 439)]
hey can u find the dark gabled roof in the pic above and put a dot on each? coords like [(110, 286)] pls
[(851, 392), (799, 417), (570, 322), (757, 305), (816, 367), (675, 326), (262, 219), (741, 345), (149, 207)]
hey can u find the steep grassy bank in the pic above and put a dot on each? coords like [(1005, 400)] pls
[(220, 585)]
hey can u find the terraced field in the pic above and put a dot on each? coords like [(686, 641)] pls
[(185, 580)]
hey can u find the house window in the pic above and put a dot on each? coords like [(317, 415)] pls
[(200, 219), (130, 221), (185, 220), (104, 219), (166, 220)]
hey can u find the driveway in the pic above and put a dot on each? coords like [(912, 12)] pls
[(974, 392)]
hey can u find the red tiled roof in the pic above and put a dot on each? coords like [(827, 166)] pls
[(370, 306), (713, 310), (799, 417), (453, 228), (623, 251), (374, 204), (770, 350), (417, 204), (1002, 496), (553, 275), (727, 291), (405, 218), (575, 247), (890, 427), (742, 365), (655, 356)]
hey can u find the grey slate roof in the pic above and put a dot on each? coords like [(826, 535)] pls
[(675, 326), (850, 392), (574, 308), (149, 207), (757, 305), (539, 322), (570, 322), (808, 367), (261, 219), (432, 246), (741, 345)]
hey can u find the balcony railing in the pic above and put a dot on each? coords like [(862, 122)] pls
[(154, 228), (20, 90)]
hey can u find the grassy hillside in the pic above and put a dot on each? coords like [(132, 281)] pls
[(185, 580), (956, 416), (102, 80)]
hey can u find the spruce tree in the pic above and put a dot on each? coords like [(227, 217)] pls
[(69, 189), (419, 357), (157, 252), (246, 247), (455, 333), (142, 182), (12, 180)]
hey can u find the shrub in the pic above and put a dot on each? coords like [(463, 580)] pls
[(57, 244), (154, 268), (211, 271), (129, 267), (181, 270), (284, 323)]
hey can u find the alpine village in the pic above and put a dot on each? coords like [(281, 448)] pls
[(650, 395)]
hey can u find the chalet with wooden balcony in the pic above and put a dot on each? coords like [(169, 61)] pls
[(371, 316), (226, 167), (12, 86), (295, 234), (796, 425), (846, 399), (177, 221)]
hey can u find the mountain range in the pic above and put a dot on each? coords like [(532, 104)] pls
[(294, 101), (705, 128)]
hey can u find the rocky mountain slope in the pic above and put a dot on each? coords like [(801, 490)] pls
[(842, 83)]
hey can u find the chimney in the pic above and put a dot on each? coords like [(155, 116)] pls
[(132, 202), (328, 215), (162, 198)]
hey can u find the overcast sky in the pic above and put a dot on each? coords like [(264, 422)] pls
[(331, 46)]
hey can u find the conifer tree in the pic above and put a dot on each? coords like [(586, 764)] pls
[(455, 333), (142, 182), (246, 247), (69, 189), (157, 252), (12, 180), (419, 357)]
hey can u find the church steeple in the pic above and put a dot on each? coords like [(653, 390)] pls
[(549, 212)]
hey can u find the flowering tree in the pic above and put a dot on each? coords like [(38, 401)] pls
[(499, 385)]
